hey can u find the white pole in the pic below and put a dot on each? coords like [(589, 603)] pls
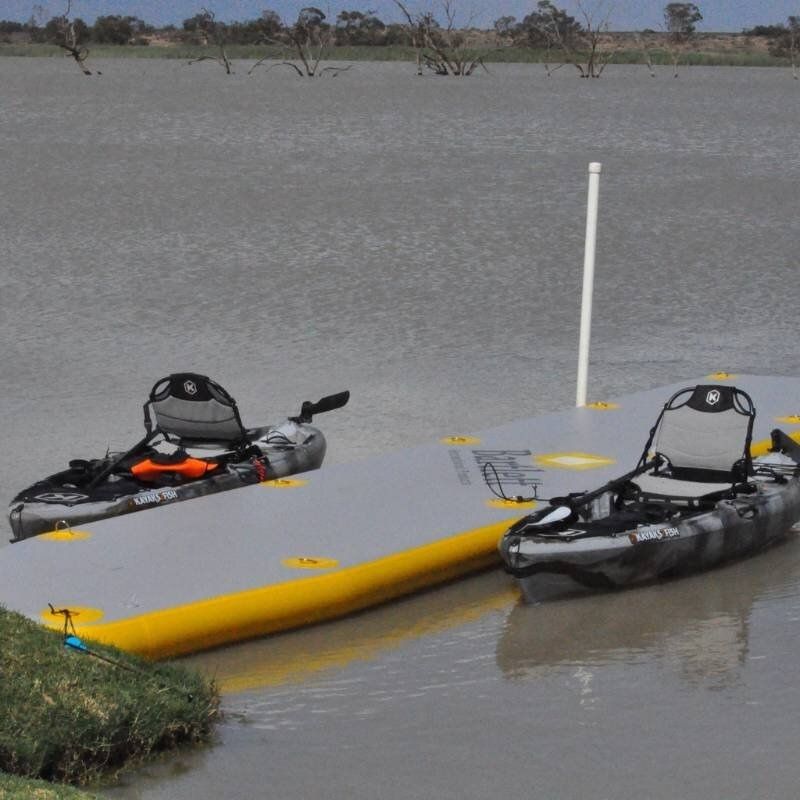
[(588, 283)]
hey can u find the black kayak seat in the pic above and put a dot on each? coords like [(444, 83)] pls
[(188, 408), (660, 487), (702, 438)]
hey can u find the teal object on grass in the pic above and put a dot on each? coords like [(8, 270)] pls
[(74, 643)]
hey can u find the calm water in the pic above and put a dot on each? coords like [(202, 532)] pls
[(419, 241)]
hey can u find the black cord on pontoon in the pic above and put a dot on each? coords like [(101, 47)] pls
[(501, 493)]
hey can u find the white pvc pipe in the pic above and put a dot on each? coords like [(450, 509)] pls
[(588, 283)]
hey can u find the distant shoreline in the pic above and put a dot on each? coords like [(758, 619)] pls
[(730, 50)]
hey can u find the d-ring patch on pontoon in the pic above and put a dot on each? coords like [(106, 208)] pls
[(63, 532), (309, 562), (285, 483), (460, 440), (82, 615), (499, 502), (573, 460)]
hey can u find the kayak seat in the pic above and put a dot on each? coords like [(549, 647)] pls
[(192, 410), (702, 440), (660, 487)]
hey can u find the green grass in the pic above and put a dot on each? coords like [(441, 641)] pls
[(702, 59), (519, 55), (13, 788), (73, 718)]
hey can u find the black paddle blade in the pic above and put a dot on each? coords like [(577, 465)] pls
[(329, 403)]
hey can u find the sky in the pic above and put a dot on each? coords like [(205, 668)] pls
[(718, 15)]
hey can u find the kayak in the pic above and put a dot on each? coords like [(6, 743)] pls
[(694, 501), (195, 445)]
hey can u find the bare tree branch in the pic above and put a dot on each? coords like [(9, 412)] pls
[(69, 34), (643, 41), (596, 59), (415, 28), (442, 49), (214, 34), (310, 39)]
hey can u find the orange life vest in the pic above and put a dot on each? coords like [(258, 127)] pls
[(148, 470)]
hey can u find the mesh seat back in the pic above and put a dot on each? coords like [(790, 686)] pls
[(190, 406), (709, 431)]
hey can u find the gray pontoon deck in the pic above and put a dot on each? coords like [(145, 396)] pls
[(288, 553)]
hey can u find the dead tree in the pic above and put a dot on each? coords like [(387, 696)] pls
[(566, 40), (72, 46), (784, 42), (585, 50), (645, 42), (310, 39), (416, 26), (443, 50), (676, 48), (213, 34), (69, 38), (678, 33)]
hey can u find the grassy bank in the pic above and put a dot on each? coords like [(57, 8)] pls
[(72, 717), (13, 788), (516, 55)]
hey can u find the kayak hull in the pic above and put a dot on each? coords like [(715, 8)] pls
[(734, 528), (51, 505)]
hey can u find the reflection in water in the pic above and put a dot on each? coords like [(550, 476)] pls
[(699, 625), (298, 656), (504, 696)]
